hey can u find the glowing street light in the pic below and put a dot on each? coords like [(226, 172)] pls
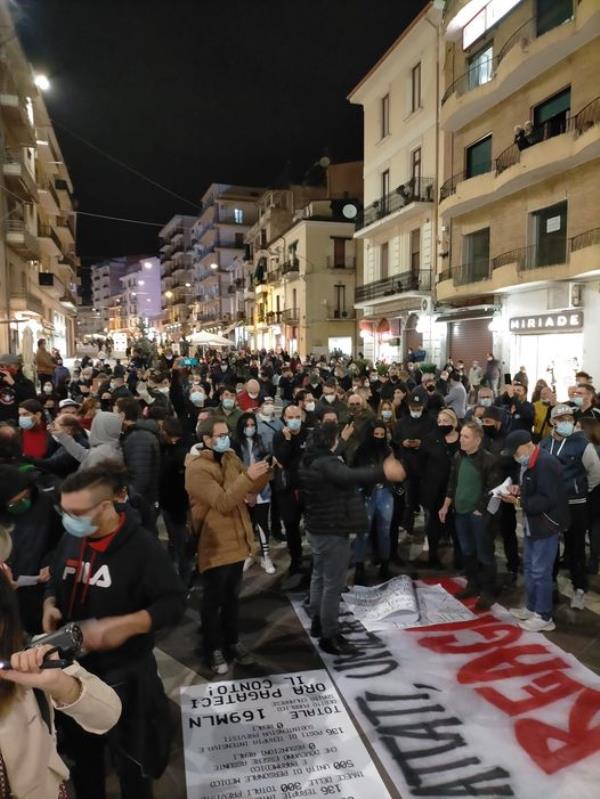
[(42, 82), (214, 265), (148, 264), (168, 294)]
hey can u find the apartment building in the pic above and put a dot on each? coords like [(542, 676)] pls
[(106, 284), (304, 263), (519, 271), (177, 277), (38, 265), (88, 325), (397, 229), (141, 296), (227, 214)]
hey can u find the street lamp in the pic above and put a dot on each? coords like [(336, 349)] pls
[(148, 264), (42, 82), (214, 265), (168, 294)]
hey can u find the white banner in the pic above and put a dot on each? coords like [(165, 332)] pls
[(473, 708), (280, 737)]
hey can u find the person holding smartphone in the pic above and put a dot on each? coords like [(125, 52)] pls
[(15, 388)]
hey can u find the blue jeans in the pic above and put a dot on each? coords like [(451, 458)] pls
[(477, 546), (380, 508), (331, 557), (538, 561)]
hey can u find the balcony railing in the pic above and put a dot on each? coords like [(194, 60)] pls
[(290, 316), (448, 188), (414, 190), (292, 265), (472, 272), (341, 313), (587, 239), (480, 74), (345, 262), (274, 317), (397, 284), (274, 276), (535, 256), (537, 134)]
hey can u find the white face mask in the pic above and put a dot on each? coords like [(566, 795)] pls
[(329, 398), (268, 411), (309, 406)]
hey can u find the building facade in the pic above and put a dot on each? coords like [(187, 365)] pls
[(38, 265), (228, 212), (397, 228), (141, 297), (106, 284), (302, 266), (177, 275), (519, 271)]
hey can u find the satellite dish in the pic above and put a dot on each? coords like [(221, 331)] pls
[(324, 161), (349, 211)]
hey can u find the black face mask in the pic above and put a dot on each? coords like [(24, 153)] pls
[(445, 428), (490, 430), (430, 387), (379, 443)]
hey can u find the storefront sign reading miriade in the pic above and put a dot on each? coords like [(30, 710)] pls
[(556, 322)]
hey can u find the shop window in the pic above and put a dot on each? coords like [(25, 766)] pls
[(479, 157), (477, 255), (481, 67), (552, 13), (549, 229)]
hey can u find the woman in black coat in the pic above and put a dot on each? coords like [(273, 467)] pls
[(436, 454)]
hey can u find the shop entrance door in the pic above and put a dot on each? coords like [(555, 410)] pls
[(554, 357)]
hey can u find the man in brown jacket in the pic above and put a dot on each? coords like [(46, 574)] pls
[(217, 485), (44, 363)]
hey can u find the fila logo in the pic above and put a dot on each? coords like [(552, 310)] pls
[(100, 578)]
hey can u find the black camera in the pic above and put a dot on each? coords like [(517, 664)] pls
[(67, 642)]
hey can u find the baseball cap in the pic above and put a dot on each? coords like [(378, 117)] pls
[(492, 413), (513, 441), (68, 403), (416, 399), (561, 410)]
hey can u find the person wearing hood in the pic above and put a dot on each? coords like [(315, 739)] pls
[(115, 580), (14, 387), (218, 485), (581, 475), (104, 440), (141, 450), (34, 435), (334, 511), (35, 530)]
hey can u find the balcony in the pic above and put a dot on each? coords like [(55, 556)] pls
[(523, 57), (274, 317), (550, 149), (65, 228), (64, 195), (391, 287), (347, 262), (26, 301), (15, 114), (340, 314), (275, 275), (577, 257), (406, 201), (291, 316), (18, 177), (49, 241), (21, 240), (51, 284), (49, 199), (291, 268)]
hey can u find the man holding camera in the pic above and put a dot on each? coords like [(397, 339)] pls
[(115, 580)]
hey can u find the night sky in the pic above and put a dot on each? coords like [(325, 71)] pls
[(191, 92)]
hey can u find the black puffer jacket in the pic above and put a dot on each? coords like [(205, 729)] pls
[(333, 504), (141, 450)]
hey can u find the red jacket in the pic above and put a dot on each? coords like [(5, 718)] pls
[(246, 403), (35, 442)]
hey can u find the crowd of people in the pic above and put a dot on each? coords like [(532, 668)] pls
[(228, 456)]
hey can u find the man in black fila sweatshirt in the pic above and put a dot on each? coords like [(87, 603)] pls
[(116, 579)]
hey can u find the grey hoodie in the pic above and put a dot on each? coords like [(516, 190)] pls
[(104, 441)]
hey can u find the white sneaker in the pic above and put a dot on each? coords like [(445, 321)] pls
[(267, 565), (218, 663), (578, 599), (521, 613), (536, 624), (247, 563)]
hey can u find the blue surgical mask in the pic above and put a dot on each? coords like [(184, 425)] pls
[(416, 414), (78, 526), (578, 401), (249, 431), (294, 424), (25, 422), (222, 444), (565, 429), (228, 403), (486, 402), (197, 398), (386, 415)]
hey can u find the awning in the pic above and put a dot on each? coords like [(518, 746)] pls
[(464, 314)]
